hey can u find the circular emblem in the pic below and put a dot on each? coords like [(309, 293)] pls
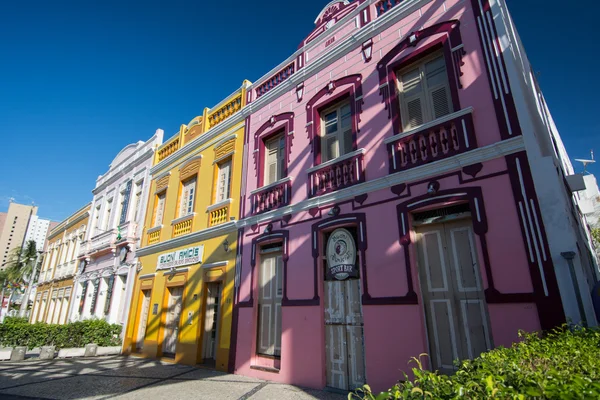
[(341, 255)]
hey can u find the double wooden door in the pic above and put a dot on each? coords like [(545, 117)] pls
[(453, 299), (345, 364), (172, 321)]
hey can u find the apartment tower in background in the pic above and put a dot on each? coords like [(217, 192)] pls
[(14, 228)]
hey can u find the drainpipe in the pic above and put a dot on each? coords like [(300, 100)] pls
[(569, 256)]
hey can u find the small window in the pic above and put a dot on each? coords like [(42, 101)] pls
[(269, 304), (186, 204), (336, 137), (274, 159), (159, 208), (109, 205), (138, 199), (223, 180), (424, 92)]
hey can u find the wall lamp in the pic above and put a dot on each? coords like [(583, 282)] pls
[(334, 212), (367, 50), (268, 228), (226, 246), (300, 91)]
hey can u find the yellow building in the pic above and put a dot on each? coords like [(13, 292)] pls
[(54, 292), (182, 302)]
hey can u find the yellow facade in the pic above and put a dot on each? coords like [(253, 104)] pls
[(54, 292), (193, 204)]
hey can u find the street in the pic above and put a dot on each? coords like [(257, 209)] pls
[(135, 378)]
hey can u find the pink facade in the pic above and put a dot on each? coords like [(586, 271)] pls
[(394, 187)]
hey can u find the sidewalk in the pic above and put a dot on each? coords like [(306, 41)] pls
[(135, 378)]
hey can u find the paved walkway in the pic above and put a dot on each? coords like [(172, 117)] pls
[(136, 378)]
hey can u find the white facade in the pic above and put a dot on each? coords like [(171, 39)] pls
[(107, 260), (36, 231), (569, 239)]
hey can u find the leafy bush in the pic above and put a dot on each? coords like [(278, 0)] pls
[(563, 364), (19, 332)]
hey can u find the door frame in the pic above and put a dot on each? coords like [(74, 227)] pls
[(203, 319), (322, 229), (169, 277), (415, 262), (138, 319)]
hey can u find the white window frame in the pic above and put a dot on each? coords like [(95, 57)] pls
[(427, 107), (159, 208), (279, 139), (108, 214), (339, 134), (188, 193), (218, 188), (138, 200)]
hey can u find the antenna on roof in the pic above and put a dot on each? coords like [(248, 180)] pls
[(586, 162)]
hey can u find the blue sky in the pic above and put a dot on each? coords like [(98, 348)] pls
[(79, 80)]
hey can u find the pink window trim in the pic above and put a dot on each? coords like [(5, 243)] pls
[(280, 123), (452, 46), (335, 91)]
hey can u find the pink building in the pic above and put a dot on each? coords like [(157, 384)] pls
[(391, 200)]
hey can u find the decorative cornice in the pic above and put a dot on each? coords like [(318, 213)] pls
[(193, 237), (482, 154), (117, 173), (226, 127)]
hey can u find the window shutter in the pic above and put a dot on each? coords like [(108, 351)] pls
[(412, 94), (272, 161), (415, 113), (347, 141), (441, 105)]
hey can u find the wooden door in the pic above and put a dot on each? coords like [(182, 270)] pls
[(211, 321), (172, 322), (455, 309), (345, 364), (269, 304), (143, 323)]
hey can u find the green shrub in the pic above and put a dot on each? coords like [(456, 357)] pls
[(563, 364), (18, 332)]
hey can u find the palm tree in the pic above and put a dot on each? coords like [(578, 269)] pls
[(21, 269)]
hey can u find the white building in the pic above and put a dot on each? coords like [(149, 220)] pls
[(37, 231), (107, 260)]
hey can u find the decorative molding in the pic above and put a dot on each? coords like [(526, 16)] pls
[(271, 185), (204, 234), (348, 86), (279, 122), (220, 204), (224, 149), (190, 167), (162, 182), (215, 264), (336, 160), (481, 154)]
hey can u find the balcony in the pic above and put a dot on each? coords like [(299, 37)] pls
[(168, 148), (336, 174), (103, 241), (271, 197), (218, 213), (439, 139), (183, 225), (154, 234), (225, 111), (385, 5)]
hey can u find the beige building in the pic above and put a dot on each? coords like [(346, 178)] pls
[(54, 290), (14, 229)]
